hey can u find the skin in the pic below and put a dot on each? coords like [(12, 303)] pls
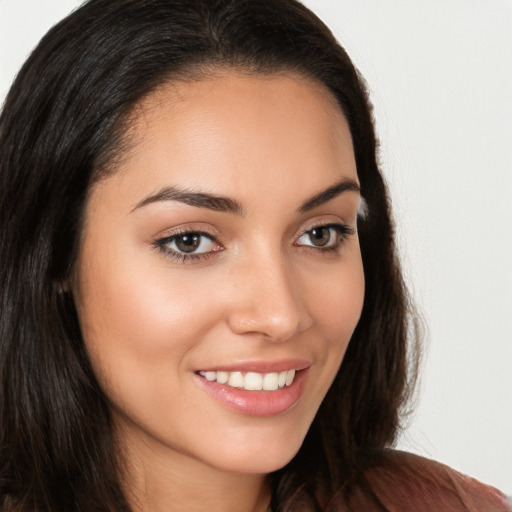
[(262, 291)]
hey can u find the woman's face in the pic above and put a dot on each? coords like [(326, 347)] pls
[(223, 248)]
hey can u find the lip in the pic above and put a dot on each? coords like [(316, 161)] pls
[(258, 403), (261, 366)]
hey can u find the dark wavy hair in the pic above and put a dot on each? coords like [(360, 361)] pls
[(62, 126)]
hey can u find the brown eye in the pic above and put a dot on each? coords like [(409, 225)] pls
[(330, 236), (321, 236), (189, 242)]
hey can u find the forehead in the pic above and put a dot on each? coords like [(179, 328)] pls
[(238, 132)]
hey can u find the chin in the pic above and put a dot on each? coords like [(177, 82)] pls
[(261, 452), (259, 461)]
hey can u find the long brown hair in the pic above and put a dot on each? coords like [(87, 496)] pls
[(63, 123)]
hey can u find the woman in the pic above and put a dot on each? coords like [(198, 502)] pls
[(201, 301)]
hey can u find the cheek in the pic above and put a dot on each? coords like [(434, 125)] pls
[(142, 328), (138, 319), (336, 301)]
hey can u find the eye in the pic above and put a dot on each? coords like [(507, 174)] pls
[(325, 237), (186, 245), (191, 243)]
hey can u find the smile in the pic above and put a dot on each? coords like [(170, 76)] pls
[(252, 381)]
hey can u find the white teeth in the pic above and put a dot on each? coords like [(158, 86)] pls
[(290, 376), (270, 382), (236, 380), (281, 381), (252, 381), (222, 377)]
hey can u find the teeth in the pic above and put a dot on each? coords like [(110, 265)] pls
[(290, 376), (210, 376), (281, 380), (252, 381), (270, 381), (236, 380), (222, 377)]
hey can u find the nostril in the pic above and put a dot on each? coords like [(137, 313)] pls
[(272, 326)]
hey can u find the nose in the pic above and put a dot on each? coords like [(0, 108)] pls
[(267, 302)]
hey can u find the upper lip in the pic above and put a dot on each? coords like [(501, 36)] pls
[(261, 366)]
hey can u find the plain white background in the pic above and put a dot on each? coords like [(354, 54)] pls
[(440, 78)]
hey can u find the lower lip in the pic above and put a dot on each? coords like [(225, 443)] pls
[(257, 403)]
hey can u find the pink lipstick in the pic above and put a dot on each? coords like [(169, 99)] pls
[(256, 388)]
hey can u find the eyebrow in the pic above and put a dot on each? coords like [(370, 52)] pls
[(197, 199), (228, 205), (346, 184)]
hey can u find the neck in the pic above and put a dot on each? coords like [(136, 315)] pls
[(157, 479)]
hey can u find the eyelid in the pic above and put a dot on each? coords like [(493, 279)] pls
[(328, 223), (194, 227), (161, 243), (342, 229)]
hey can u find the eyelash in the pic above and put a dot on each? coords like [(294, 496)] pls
[(342, 232), (162, 245)]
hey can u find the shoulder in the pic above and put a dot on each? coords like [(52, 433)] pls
[(403, 481)]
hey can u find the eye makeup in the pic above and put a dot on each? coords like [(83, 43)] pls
[(192, 245), (188, 245), (325, 238)]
